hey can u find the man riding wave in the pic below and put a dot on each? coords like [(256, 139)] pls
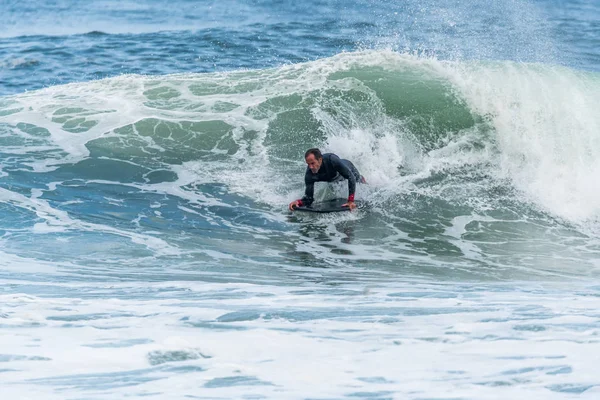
[(327, 167)]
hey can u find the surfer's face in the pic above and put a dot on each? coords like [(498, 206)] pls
[(314, 163)]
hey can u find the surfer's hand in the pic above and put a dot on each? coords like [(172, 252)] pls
[(294, 204), (351, 205)]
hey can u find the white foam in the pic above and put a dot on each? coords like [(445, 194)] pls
[(547, 127), (477, 341)]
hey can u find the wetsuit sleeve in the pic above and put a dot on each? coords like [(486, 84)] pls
[(344, 171), (309, 192)]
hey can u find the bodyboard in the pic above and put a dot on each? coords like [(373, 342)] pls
[(328, 206)]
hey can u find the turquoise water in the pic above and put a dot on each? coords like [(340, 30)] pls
[(148, 153)]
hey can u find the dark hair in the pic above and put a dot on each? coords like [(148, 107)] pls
[(315, 152)]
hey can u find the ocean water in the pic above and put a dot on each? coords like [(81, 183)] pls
[(148, 151)]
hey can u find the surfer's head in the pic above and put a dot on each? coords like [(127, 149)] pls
[(314, 159)]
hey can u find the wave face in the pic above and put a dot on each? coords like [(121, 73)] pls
[(457, 154)]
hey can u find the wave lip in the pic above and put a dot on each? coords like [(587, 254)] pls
[(546, 129)]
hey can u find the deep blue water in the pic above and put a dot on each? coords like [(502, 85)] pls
[(52, 43)]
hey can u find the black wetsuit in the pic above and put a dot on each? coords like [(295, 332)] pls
[(333, 169)]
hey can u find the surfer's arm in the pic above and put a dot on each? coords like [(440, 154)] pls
[(309, 194), (344, 171)]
